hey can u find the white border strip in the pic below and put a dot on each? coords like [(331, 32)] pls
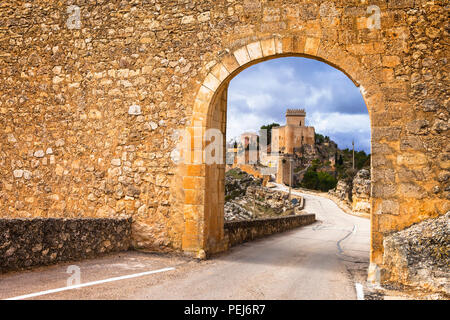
[(359, 291), (87, 284)]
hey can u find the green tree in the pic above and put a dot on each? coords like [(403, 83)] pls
[(314, 180), (361, 159), (319, 138), (325, 181), (340, 161), (310, 179)]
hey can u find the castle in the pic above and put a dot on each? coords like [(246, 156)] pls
[(285, 149), (290, 138), (288, 141)]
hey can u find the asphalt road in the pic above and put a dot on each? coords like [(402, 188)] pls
[(320, 261)]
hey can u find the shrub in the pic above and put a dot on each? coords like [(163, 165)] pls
[(314, 180)]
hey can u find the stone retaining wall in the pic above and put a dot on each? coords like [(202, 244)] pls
[(243, 231), (25, 243)]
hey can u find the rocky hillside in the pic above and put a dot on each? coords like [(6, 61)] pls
[(321, 166), (327, 152), (247, 199), (237, 182)]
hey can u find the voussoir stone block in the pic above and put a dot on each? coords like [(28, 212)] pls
[(254, 50), (268, 47), (242, 56)]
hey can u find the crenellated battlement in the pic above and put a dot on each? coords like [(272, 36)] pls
[(295, 112)]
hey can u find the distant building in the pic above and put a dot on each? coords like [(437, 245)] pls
[(249, 142), (290, 138), (249, 138)]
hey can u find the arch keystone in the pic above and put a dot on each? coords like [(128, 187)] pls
[(287, 44), (278, 45)]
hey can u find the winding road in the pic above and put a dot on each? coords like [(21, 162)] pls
[(325, 260)]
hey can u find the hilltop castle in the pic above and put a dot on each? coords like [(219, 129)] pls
[(287, 142), (290, 138)]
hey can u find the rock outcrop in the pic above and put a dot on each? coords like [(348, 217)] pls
[(247, 199), (361, 192), (237, 182), (342, 191), (354, 195), (419, 255), (234, 211)]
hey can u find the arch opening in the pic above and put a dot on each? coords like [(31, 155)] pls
[(203, 206)]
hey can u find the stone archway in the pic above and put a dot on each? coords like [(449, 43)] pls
[(133, 78), (204, 183)]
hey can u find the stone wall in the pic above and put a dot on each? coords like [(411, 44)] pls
[(26, 243), (243, 231), (419, 255)]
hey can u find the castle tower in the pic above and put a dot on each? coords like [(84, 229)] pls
[(290, 138), (295, 117)]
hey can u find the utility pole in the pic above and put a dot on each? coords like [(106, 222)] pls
[(353, 144)]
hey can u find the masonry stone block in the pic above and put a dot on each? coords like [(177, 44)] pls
[(268, 47), (254, 50), (242, 56)]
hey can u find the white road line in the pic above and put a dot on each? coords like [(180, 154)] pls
[(87, 284), (359, 291)]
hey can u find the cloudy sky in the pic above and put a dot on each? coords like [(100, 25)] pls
[(334, 106)]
